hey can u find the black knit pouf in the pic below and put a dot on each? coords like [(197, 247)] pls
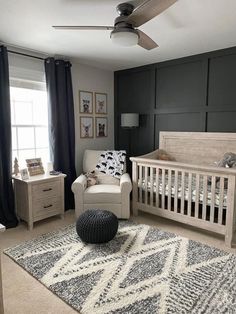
[(97, 226)]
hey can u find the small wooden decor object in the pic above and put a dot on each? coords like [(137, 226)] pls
[(16, 167), (35, 166)]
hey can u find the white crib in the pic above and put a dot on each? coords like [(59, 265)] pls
[(191, 190)]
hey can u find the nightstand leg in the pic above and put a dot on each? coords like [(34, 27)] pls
[(30, 226)]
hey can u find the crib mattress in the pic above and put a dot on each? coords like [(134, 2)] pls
[(142, 184)]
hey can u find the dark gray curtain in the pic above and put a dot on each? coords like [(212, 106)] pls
[(7, 211), (61, 122)]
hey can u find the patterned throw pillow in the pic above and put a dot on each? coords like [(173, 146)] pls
[(112, 163)]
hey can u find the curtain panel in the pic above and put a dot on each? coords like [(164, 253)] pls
[(7, 210), (61, 122)]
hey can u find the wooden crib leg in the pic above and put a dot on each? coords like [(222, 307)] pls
[(228, 240), (230, 213), (230, 229), (134, 209)]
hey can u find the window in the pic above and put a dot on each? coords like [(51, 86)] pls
[(29, 119)]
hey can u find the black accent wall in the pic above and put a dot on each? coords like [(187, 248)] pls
[(196, 93)]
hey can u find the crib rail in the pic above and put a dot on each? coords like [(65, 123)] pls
[(196, 195)]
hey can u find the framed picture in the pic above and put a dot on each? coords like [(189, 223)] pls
[(35, 166), (85, 102), (101, 103), (101, 127), (86, 127), (24, 174)]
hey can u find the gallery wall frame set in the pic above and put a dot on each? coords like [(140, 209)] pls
[(90, 104), (87, 127), (86, 100)]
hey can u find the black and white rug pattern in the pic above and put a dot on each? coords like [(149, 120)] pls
[(142, 270)]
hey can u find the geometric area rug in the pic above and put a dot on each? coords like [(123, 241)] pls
[(142, 270)]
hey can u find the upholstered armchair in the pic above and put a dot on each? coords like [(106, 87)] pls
[(110, 193)]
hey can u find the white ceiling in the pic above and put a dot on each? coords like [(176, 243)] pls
[(188, 27)]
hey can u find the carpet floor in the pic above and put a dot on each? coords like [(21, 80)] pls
[(142, 270)]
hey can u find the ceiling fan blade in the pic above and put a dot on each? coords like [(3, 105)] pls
[(145, 41), (147, 11), (84, 28)]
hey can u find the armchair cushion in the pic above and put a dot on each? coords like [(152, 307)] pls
[(90, 159), (103, 193), (106, 179)]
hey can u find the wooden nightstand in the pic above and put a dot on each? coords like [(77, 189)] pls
[(39, 197)]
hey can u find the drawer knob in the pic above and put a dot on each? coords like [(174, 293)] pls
[(46, 190), (47, 206)]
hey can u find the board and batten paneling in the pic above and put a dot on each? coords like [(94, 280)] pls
[(196, 93), (221, 121), (181, 85), (222, 81), (185, 122), (135, 94), (136, 91)]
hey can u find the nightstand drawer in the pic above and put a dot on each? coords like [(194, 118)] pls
[(46, 207), (44, 190)]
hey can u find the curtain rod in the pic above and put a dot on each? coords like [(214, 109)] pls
[(25, 55)]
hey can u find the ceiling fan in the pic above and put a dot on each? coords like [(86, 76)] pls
[(125, 32)]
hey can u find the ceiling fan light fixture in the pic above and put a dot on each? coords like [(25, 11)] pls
[(125, 37)]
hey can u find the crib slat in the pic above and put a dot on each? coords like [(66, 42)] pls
[(157, 187), (196, 211), (204, 203), (176, 191), (213, 190), (163, 189), (169, 189), (151, 187), (182, 192), (140, 184), (146, 184), (221, 200), (135, 188), (189, 193)]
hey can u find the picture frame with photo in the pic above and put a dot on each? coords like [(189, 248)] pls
[(101, 127), (85, 102), (35, 166), (100, 103), (24, 174), (86, 127)]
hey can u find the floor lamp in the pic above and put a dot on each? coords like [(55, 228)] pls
[(129, 121)]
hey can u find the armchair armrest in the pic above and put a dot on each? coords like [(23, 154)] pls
[(78, 187), (80, 184), (125, 183)]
